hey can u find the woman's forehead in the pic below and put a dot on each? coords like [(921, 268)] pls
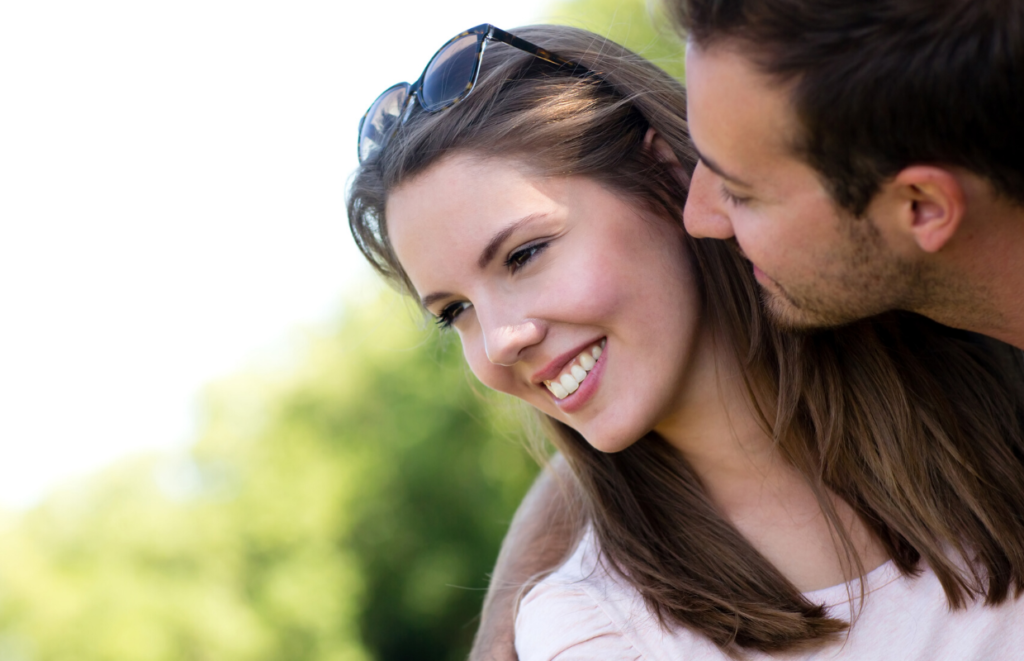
[(466, 195), (459, 205)]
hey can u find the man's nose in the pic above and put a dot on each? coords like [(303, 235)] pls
[(705, 216)]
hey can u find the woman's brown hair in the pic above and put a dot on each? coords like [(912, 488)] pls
[(919, 427)]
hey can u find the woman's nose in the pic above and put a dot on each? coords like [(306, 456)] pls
[(504, 343), (704, 215)]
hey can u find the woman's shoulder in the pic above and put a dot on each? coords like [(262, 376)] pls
[(586, 610), (566, 624), (567, 615)]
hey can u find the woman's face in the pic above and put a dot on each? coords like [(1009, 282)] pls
[(538, 275)]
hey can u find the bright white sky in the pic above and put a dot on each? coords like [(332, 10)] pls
[(171, 201)]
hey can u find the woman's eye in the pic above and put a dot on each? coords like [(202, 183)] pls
[(519, 258), (447, 316), (732, 198)]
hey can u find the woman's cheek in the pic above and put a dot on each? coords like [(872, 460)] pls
[(476, 357), (495, 377), (586, 291)]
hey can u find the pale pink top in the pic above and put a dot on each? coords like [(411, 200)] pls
[(583, 612)]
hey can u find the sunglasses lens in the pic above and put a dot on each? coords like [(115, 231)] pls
[(451, 73), (380, 120)]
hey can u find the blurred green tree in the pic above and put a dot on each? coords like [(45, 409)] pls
[(640, 25), (347, 509)]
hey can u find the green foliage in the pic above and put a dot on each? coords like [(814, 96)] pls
[(639, 25), (345, 510)]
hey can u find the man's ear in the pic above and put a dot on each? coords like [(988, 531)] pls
[(663, 152), (931, 204)]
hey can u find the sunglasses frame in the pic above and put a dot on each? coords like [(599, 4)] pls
[(485, 32)]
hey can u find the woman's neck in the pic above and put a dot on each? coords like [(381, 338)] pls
[(717, 429), (713, 422)]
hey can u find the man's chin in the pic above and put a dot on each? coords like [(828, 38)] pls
[(786, 313)]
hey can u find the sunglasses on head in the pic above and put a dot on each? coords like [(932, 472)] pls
[(450, 76)]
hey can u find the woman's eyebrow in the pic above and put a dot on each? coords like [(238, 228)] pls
[(491, 249), (429, 299)]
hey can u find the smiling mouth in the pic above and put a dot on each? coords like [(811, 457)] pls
[(576, 371)]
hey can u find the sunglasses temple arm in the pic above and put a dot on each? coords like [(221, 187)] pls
[(507, 38)]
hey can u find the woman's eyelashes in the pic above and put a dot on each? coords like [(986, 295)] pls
[(516, 260), (449, 313), (520, 257)]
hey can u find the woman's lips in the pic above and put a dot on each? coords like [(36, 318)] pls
[(562, 363), (587, 388), (574, 371)]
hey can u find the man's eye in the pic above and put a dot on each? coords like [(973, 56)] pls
[(520, 257), (732, 198), (447, 316)]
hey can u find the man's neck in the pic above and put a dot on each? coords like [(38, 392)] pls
[(984, 270)]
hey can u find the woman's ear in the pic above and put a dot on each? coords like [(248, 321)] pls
[(663, 152)]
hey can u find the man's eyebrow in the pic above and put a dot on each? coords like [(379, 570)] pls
[(488, 253), (491, 249), (717, 169)]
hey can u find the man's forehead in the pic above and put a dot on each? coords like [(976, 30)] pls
[(736, 113)]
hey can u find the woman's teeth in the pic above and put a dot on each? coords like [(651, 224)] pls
[(569, 381)]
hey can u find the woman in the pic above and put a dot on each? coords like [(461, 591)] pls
[(739, 484)]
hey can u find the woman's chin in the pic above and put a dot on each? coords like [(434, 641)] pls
[(609, 443)]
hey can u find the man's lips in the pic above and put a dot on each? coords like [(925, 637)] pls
[(760, 275), (559, 363), (763, 278)]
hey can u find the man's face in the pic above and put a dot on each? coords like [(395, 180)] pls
[(817, 264)]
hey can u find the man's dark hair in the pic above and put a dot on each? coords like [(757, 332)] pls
[(883, 84)]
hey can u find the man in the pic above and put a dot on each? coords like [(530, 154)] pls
[(865, 156)]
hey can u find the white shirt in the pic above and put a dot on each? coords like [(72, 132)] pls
[(584, 612)]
